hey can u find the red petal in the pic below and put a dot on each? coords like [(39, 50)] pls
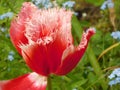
[(44, 59), (30, 81), (17, 28), (36, 58), (63, 39), (56, 49), (72, 56)]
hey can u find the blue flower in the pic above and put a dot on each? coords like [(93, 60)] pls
[(114, 81), (116, 35), (68, 4), (108, 3), (6, 15), (44, 3), (48, 5), (114, 77), (11, 55), (104, 5), (116, 72)]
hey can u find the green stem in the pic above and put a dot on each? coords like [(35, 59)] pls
[(108, 49), (49, 85), (96, 66)]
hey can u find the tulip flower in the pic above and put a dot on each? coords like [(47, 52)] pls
[(43, 38)]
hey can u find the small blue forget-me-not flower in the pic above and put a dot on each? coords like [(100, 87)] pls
[(114, 77), (68, 4), (107, 3), (116, 35), (6, 15)]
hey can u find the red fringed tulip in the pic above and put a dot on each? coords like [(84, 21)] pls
[(43, 37)]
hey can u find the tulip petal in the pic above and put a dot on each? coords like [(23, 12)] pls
[(72, 55), (56, 48), (17, 28), (30, 81), (36, 58), (44, 58)]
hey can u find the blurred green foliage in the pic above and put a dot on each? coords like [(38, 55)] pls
[(9, 68), (83, 77)]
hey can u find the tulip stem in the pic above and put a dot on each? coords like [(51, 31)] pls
[(49, 85)]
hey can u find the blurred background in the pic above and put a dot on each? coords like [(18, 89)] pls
[(99, 68)]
